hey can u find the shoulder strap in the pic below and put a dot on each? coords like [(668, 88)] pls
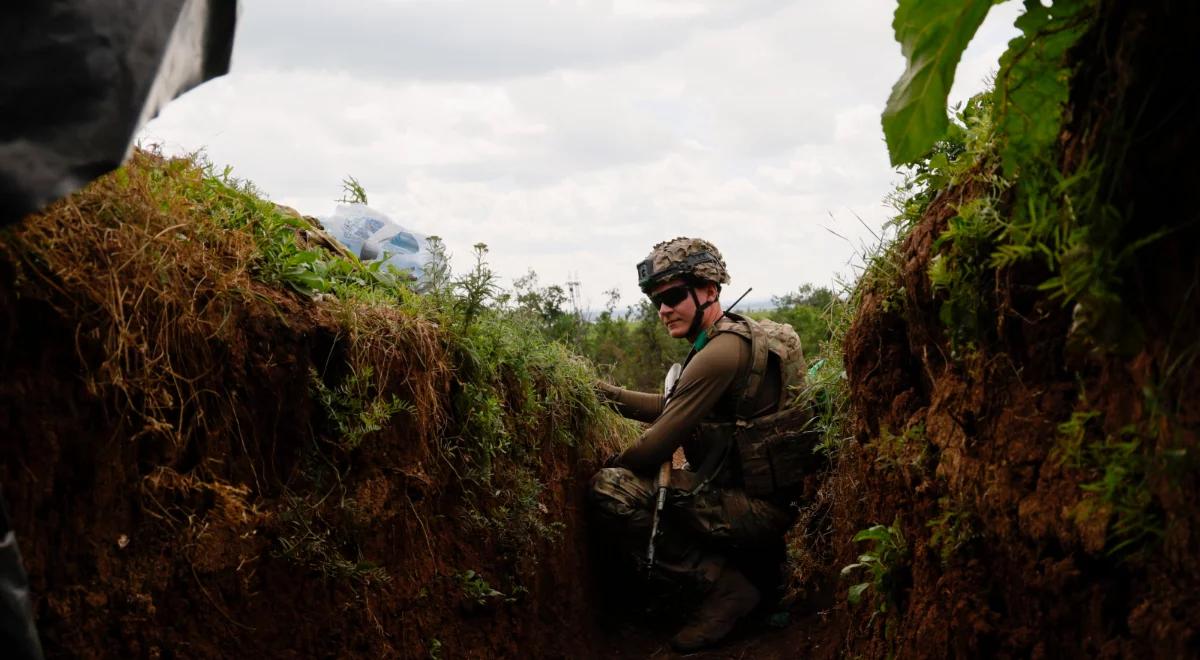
[(760, 352), (758, 370)]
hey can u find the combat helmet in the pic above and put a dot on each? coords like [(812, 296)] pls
[(693, 259)]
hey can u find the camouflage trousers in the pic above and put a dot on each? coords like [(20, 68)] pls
[(696, 532)]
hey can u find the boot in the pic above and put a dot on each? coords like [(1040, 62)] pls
[(731, 598)]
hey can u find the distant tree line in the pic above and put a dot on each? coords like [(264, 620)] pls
[(628, 344)]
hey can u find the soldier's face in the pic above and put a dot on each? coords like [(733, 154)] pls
[(677, 318)]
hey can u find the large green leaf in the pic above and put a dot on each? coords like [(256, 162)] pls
[(932, 36), (1031, 87)]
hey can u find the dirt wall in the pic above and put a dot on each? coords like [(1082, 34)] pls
[(179, 488), (1043, 479)]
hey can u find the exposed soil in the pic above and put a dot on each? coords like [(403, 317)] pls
[(207, 522), (1011, 554), (253, 534)]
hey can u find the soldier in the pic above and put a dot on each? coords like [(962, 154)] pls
[(707, 514)]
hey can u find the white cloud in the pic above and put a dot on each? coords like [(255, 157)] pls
[(571, 135), (470, 40), (982, 58)]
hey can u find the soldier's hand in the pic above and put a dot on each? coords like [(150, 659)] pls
[(605, 391)]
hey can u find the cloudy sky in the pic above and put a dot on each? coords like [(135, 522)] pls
[(571, 135)]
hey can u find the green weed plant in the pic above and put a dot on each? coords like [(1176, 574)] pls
[(1116, 470), (354, 406), (881, 565), (475, 588), (892, 450), (308, 540), (279, 257), (952, 530)]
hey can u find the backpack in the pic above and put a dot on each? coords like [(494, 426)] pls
[(775, 451)]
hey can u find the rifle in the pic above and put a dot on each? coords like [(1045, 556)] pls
[(664, 473)]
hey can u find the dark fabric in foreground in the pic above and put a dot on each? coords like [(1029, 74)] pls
[(78, 79), (18, 637)]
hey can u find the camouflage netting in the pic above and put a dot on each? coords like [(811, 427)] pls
[(670, 259)]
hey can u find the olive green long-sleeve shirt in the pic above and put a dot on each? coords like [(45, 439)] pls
[(707, 388)]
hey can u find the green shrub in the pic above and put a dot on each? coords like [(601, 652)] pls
[(883, 563)]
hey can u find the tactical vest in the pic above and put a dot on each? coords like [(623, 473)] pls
[(767, 453)]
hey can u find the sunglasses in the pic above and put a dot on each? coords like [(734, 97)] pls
[(670, 297)]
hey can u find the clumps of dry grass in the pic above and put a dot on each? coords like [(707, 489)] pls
[(152, 282), (215, 521), (161, 261), (401, 353), (229, 502), (815, 539)]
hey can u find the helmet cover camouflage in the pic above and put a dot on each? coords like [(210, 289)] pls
[(693, 258)]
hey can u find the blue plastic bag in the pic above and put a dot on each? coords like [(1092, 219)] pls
[(373, 236)]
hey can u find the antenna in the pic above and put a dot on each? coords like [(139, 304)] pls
[(730, 309)]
